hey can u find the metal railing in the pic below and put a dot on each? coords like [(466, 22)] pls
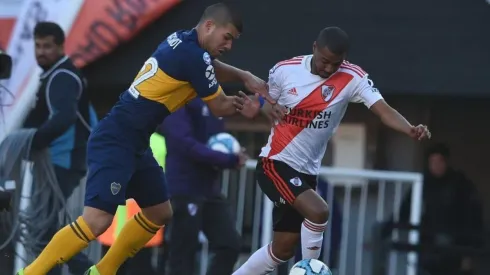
[(379, 195), (365, 196)]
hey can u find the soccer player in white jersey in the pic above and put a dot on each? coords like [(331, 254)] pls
[(315, 90)]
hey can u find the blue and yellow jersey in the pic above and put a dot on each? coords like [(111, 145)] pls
[(178, 71)]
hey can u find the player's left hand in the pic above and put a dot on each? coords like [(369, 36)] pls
[(420, 132), (256, 85), (250, 107), (275, 113)]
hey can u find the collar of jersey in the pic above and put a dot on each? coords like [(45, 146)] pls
[(56, 65)]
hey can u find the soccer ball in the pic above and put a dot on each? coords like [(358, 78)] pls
[(225, 143), (310, 267)]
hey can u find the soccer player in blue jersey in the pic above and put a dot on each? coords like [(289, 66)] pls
[(120, 163)]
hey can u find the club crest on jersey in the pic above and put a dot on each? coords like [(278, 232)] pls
[(327, 92), (296, 181), (115, 188)]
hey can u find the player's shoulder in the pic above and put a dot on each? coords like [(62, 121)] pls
[(287, 65), (179, 51), (181, 44), (355, 70)]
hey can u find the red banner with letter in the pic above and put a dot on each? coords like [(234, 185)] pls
[(99, 27), (103, 25)]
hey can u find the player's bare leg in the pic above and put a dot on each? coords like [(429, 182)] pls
[(316, 212)]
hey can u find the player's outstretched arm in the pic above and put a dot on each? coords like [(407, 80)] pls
[(228, 73), (223, 105), (393, 119)]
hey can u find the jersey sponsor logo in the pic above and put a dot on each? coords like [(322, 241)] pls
[(293, 92), (327, 92), (211, 76), (296, 181), (115, 188), (206, 58), (173, 40), (305, 118)]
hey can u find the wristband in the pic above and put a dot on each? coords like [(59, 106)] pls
[(261, 101)]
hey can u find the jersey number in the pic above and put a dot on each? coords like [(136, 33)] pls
[(148, 70)]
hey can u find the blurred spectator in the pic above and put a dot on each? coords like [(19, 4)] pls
[(193, 172), (452, 214), (63, 118)]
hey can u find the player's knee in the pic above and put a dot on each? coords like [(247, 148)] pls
[(97, 220), (159, 214), (320, 213)]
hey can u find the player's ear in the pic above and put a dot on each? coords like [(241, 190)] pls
[(209, 24), (314, 46)]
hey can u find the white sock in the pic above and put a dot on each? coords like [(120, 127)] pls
[(260, 263), (312, 239)]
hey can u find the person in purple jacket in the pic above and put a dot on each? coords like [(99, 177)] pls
[(193, 171)]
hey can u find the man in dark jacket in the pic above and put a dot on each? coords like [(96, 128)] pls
[(193, 172), (451, 214), (63, 118)]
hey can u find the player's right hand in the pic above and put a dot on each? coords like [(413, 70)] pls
[(256, 85), (420, 132)]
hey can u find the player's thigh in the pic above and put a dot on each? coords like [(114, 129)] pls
[(219, 224), (148, 185), (279, 181), (110, 169), (310, 204)]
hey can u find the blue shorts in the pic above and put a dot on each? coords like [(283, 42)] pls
[(116, 173)]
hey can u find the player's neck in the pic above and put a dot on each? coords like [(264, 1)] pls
[(312, 68), (200, 38)]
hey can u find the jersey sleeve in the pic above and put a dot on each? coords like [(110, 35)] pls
[(200, 73), (366, 93), (275, 82)]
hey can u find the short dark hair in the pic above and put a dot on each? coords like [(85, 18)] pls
[(44, 29), (223, 13), (439, 148), (335, 39)]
